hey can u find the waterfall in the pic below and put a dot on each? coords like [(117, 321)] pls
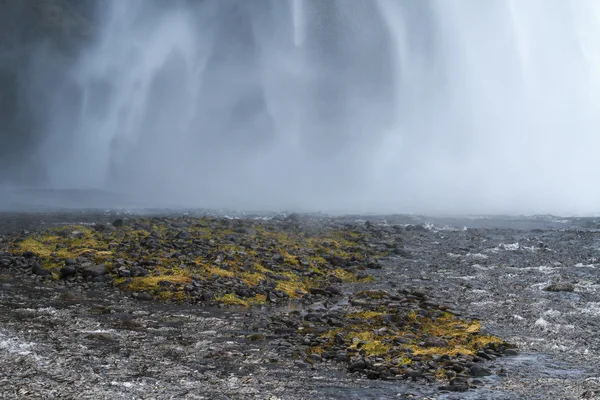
[(341, 104)]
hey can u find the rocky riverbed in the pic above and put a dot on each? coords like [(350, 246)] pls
[(106, 305)]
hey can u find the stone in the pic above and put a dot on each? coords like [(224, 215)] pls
[(338, 261), (333, 290), (37, 269), (357, 365), (67, 271), (144, 296), (77, 235), (560, 287), (94, 271), (435, 342), (511, 352), (412, 373), (479, 371)]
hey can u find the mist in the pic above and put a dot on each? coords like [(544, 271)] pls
[(395, 106)]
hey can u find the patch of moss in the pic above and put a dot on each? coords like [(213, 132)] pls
[(366, 315), (371, 334), (151, 283), (291, 288), (232, 299)]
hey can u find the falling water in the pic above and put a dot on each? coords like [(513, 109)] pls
[(388, 105)]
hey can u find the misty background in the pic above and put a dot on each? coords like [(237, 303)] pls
[(427, 106)]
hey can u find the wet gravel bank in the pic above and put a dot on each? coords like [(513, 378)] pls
[(101, 343)]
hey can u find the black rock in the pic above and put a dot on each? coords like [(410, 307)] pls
[(67, 271), (117, 223), (435, 342), (333, 290), (373, 375), (271, 297), (411, 373), (183, 235), (337, 261), (278, 258), (5, 262), (317, 291), (37, 269), (357, 366), (206, 296), (94, 271), (560, 287), (139, 271), (477, 370), (144, 296)]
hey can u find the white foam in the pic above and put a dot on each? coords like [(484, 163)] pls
[(542, 323)]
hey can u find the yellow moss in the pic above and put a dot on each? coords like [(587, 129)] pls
[(440, 374), (232, 299), (482, 341), (213, 270), (412, 315), (440, 351), (167, 295), (252, 278), (474, 327), (291, 287), (151, 282), (258, 299), (366, 315), (344, 275), (376, 348), (43, 247)]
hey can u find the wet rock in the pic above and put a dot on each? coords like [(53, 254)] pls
[(478, 371), (317, 291), (435, 342), (139, 271), (183, 235), (337, 261), (333, 290), (38, 270), (411, 373), (94, 271), (511, 352), (67, 271), (144, 296), (560, 287), (357, 365)]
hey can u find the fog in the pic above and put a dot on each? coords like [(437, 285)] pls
[(430, 106)]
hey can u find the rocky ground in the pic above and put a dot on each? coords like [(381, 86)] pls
[(297, 307)]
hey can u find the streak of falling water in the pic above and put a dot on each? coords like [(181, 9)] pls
[(387, 105), (298, 22)]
